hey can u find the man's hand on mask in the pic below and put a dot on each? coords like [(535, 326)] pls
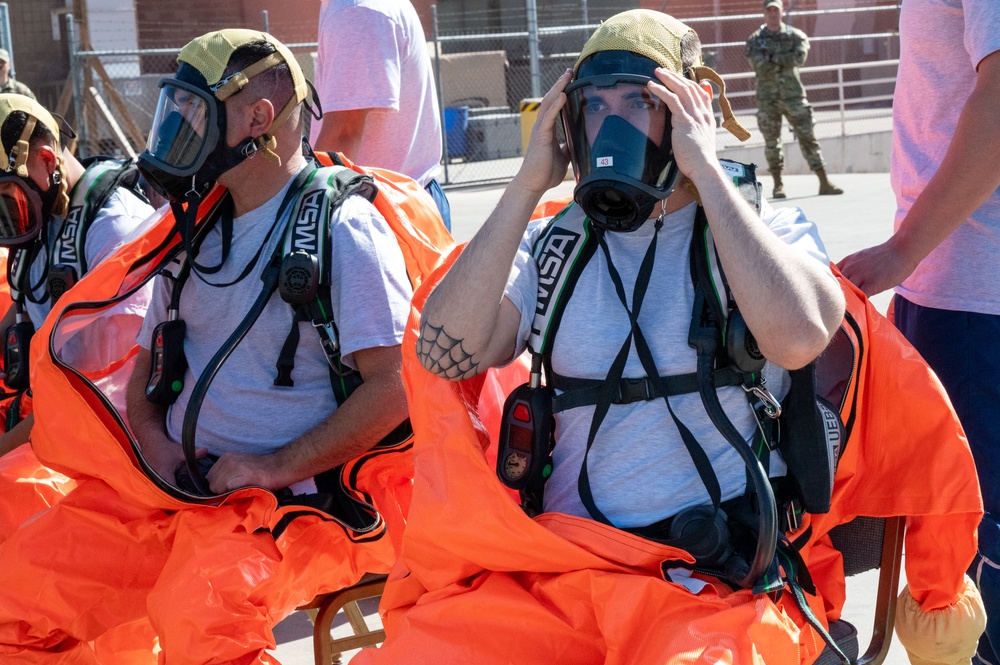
[(546, 160), (692, 120)]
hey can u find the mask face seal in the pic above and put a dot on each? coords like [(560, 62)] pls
[(618, 135)]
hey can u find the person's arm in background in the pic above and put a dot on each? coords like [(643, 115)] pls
[(341, 132), (357, 72), (19, 435), (967, 177), (758, 56)]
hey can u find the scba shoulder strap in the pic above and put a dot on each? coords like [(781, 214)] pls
[(304, 278), (67, 258)]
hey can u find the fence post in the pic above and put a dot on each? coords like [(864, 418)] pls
[(440, 87), (536, 79), (5, 38), (840, 96), (76, 76), (267, 23), (440, 90)]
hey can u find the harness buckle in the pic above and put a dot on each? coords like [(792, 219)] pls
[(328, 340), (633, 390), (770, 404), (792, 515)]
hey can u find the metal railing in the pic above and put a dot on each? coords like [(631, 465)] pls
[(845, 107)]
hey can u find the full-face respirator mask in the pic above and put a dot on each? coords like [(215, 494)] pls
[(618, 135), (617, 132), (186, 150), (24, 205)]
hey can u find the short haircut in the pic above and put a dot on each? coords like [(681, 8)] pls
[(275, 84)]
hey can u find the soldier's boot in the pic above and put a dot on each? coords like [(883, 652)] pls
[(825, 186), (779, 189)]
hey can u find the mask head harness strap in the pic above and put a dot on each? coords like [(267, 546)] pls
[(210, 55), (729, 121)]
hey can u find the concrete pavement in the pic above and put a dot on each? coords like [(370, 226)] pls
[(861, 217)]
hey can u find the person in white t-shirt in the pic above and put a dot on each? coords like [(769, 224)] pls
[(942, 255), (639, 120), (376, 89)]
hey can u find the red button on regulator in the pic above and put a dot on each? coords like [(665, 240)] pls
[(521, 413)]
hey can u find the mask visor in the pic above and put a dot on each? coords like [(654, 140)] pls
[(20, 212), (617, 128), (184, 128)]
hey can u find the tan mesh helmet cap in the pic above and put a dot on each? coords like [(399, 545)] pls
[(657, 36), (14, 157), (648, 33), (210, 55)]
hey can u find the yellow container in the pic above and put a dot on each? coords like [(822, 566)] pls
[(529, 112)]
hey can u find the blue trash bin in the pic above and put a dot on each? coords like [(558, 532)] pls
[(456, 122)]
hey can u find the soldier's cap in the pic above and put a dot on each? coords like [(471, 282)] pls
[(774, 3), (4, 55), (13, 158), (656, 36)]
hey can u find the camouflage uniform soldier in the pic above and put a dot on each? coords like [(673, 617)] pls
[(775, 52), (8, 84)]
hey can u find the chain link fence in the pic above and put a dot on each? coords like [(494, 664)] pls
[(492, 67)]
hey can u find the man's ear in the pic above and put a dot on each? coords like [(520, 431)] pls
[(49, 158), (262, 115)]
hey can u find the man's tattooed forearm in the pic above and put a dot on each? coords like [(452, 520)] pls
[(443, 355)]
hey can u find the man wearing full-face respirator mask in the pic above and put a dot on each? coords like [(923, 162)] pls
[(667, 314), (278, 364)]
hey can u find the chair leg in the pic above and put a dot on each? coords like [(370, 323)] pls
[(323, 644)]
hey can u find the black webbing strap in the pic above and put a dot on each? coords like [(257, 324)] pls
[(13, 411), (704, 337), (286, 357), (609, 387), (584, 392), (797, 579)]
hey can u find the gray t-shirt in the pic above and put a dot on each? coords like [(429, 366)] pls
[(941, 45), (373, 55), (243, 410), (639, 470), (112, 224)]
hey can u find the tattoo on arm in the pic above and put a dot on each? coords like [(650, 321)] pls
[(443, 355)]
